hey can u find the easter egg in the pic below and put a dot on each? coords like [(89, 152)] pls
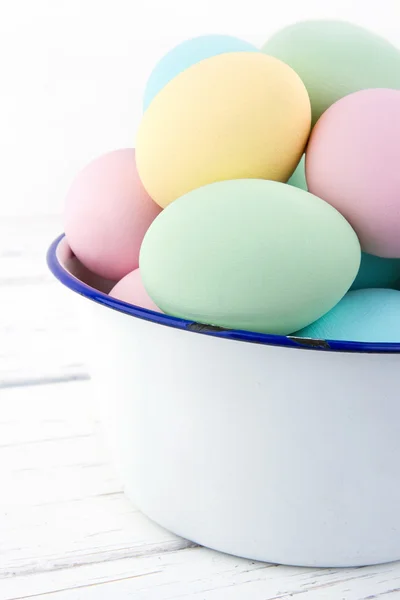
[(107, 212), (239, 115), (376, 272), (73, 266), (187, 54), (249, 254), (371, 315), (298, 179), (335, 58), (352, 162), (130, 289)]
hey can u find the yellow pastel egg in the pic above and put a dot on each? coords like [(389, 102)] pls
[(242, 115)]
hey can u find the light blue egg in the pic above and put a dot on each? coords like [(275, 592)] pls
[(377, 272), (371, 315), (298, 179), (187, 54)]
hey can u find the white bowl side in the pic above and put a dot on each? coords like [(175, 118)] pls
[(278, 454)]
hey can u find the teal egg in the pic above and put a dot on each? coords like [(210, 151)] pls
[(371, 315), (334, 59), (249, 254), (187, 54), (298, 179), (377, 272)]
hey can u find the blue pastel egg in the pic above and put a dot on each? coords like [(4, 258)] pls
[(377, 272), (187, 54), (371, 315)]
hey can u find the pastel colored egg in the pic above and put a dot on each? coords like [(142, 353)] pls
[(107, 212), (376, 272), (240, 115), (298, 179), (77, 269), (352, 162), (187, 54), (335, 58), (249, 254), (130, 289), (371, 315)]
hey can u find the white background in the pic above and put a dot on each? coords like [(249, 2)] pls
[(73, 72)]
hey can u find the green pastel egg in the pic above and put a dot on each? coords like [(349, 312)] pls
[(249, 254), (334, 59)]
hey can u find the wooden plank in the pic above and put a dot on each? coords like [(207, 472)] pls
[(23, 245), (40, 335), (61, 503), (39, 330), (202, 574)]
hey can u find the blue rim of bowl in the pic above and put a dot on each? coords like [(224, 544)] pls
[(77, 286)]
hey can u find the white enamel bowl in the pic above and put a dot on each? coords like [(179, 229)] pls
[(266, 447)]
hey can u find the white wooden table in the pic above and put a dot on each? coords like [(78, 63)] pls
[(66, 530)]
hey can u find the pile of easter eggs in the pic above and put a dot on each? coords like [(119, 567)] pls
[(263, 193)]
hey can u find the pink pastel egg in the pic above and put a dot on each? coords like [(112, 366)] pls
[(131, 289), (352, 162), (107, 212)]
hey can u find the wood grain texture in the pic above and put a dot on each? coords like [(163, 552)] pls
[(61, 504), (67, 532), (204, 575), (39, 330)]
